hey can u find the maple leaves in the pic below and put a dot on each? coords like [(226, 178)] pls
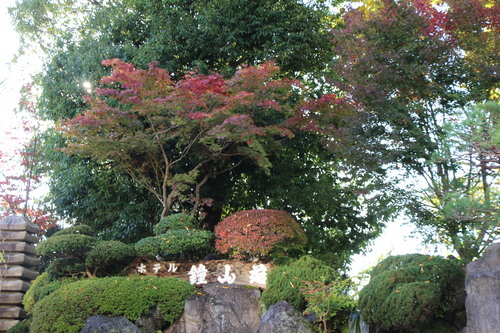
[(20, 175), (171, 137), (259, 232)]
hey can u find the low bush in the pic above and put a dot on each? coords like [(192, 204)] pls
[(112, 255), (410, 293), (148, 247), (82, 229), (259, 232), (66, 309), (175, 221), (181, 241), (284, 283), (176, 237), (41, 287), (66, 245)]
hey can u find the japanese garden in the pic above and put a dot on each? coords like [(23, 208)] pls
[(189, 166)]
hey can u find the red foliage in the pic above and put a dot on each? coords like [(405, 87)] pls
[(19, 172), (218, 121), (253, 233)]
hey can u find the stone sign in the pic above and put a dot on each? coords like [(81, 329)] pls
[(206, 271)]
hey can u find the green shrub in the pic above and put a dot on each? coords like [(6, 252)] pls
[(182, 240), (148, 247), (66, 267), (20, 327), (407, 293), (284, 283), (176, 236), (42, 286), (175, 221), (107, 254), (66, 246), (82, 229), (66, 309)]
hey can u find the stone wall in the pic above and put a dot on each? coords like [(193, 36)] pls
[(17, 239), (482, 285)]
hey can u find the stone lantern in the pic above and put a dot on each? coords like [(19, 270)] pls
[(18, 263)]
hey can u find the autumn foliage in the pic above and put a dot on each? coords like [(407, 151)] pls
[(259, 232), (173, 136)]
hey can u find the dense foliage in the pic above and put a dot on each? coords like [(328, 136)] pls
[(66, 309), (411, 293), (284, 283), (41, 287), (176, 238), (73, 252), (259, 233), (415, 69), (175, 221)]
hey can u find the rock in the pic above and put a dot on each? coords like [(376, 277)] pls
[(482, 285), (103, 324), (220, 308), (152, 322), (283, 318)]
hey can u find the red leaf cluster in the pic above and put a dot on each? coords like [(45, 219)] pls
[(258, 232)]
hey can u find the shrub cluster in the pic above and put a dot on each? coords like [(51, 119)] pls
[(66, 309), (411, 293), (41, 287), (262, 232), (284, 283), (176, 236), (73, 251)]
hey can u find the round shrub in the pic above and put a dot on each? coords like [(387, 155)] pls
[(411, 292), (66, 267), (182, 240), (66, 309), (175, 221), (42, 286), (82, 229), (66, 246), (262, 232), (108, 253), (148, 247), (284, 283)]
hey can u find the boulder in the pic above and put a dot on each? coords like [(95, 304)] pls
[(482, 285), (151, 322), (103, 324), (220, 308), (283, 318)]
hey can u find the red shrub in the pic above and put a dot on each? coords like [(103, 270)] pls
[(263, 232)]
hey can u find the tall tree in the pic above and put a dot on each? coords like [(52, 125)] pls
[(411, 68)]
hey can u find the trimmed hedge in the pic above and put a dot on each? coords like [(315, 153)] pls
[(412, 292), (175, 221), (66, 309), (41, 287), (82, 229), (284, 283)]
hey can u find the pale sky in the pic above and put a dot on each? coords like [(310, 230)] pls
[(395, 239)]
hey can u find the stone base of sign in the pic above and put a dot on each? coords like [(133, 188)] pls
[(216, 269)]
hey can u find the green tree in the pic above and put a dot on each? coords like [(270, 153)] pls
[(171, 138), (212, 35), (411, 68)]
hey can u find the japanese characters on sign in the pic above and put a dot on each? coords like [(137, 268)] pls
[(198, 273)]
